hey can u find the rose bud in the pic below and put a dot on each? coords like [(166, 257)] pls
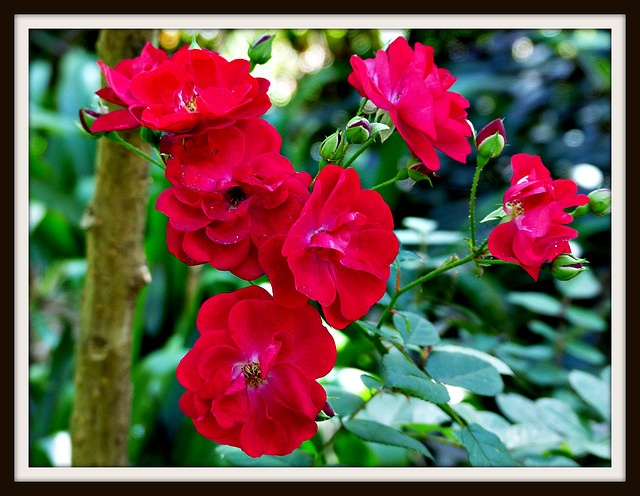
[(600, 202), (86, 122), (358, 130), (331, 148), (260, 50), (326, 413), (566, 266), (491, 139)]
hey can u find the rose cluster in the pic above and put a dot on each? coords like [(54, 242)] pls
[(236, 203)]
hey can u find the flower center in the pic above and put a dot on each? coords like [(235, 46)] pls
[(516, 207), (190, 105), (252, 374), (235, 196)]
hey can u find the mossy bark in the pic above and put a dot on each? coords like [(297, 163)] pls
[(115, 222)]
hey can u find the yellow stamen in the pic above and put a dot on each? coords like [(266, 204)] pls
[(252, 374)]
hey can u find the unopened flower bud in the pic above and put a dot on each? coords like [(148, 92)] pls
[(600, 202), (402, 174), (417, 171), (491, 139), (369, 108), (331, 148), (260, 50), (326, 413), (87, 118), (567, 266), (358, 130)]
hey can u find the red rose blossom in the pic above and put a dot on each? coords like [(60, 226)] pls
[(337, 253), (231, 191), (536, 232), (416, 94), (251, 377), (189, 92)]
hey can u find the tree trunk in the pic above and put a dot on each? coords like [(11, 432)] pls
[(116, 270)]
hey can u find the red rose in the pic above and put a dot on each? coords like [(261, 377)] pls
[(231, 191), (536, 232), (337, 253), (251, 375), (414, 91), (189, 92)]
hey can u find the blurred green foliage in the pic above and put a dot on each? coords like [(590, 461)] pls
[(537, 355)]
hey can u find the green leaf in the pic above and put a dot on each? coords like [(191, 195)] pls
[(383, 117), (395, 410), (559, 416), (549, 461), (529, 439), (343, 402), (586, 352), (545, 304), (415, 329), (384, 331), (536, 302), (491, 421), (401, 325), (408, 255), (584, 317), (378, 127), (543, 329), (497, 214), (484, 448), (464, 370), (499, 365), (419, 176), (404, 375), (380, 433), (235, 456), (518, 408), (371, 382), (593, 390)]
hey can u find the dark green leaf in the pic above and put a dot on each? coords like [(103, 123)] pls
[(518, 408), (498, 364), (549, 461), (371, 382), (235, 456), (561, 417), (464, 370), (385, 332), (592, 390), (343, 402), (402, 374), (380, 433), (484, 448), (415, 329)]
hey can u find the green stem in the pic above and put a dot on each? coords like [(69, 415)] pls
[(430, 275), (387, 183), (359, 151), (113, 136), (362, 105), (495, 261), (446, 408), (481, 162)]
